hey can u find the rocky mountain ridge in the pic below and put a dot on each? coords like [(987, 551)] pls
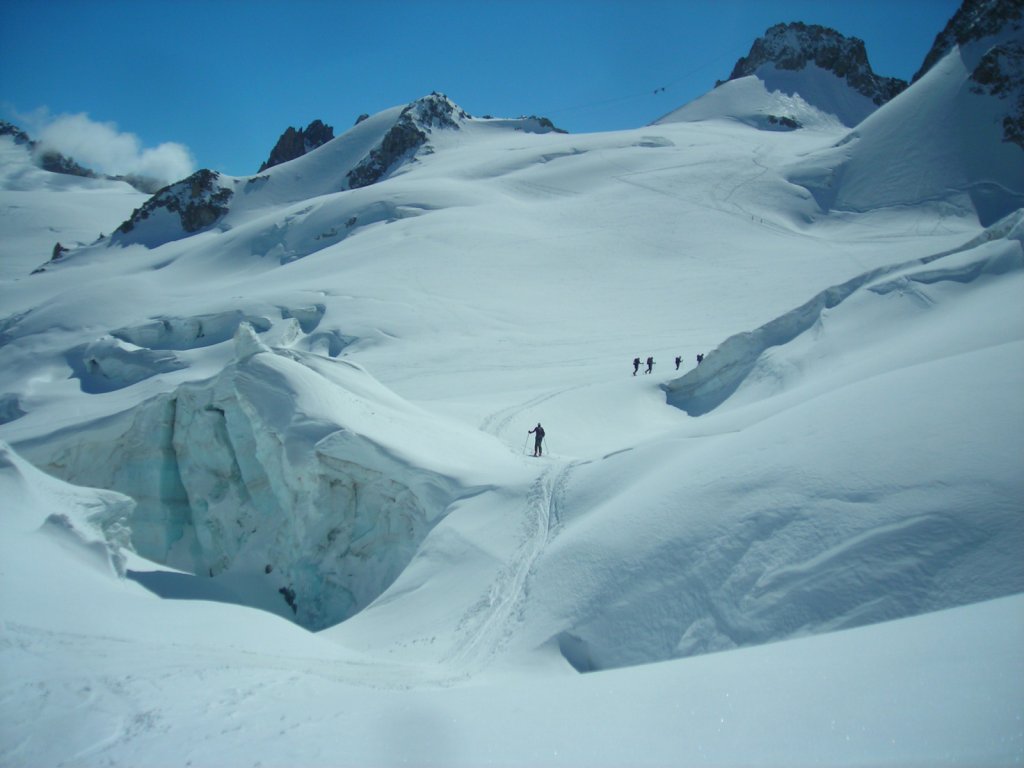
[(409, 133), (366, 154), (295, 142), (198, 201), (990, 35), (973, 21), (795, 45)]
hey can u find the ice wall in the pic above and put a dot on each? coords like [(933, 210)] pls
[(283, 482)]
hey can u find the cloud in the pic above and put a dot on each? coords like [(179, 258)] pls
[(105, 149)]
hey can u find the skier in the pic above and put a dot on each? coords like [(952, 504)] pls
[(650, 364), (679, 359), (636, 365), (538, 432), (700, 358)]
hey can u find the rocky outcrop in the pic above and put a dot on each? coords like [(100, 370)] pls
[(1001, 74), (975, 20), (296, 142), (19, 136), (199, 201), (995, 31), (796, 45), (408, 134)]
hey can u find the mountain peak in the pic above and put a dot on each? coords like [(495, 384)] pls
[(295, 142), (407, 135), (795, 45), (990, 38), (975, 20)]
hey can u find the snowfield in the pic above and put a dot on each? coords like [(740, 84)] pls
[(269, 496)]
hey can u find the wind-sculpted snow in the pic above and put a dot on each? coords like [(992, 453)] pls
[(109, 364), (738, 358), (312, 228), (92, 524), (277, 479), (190, 332), (786, 509), (10, 408)]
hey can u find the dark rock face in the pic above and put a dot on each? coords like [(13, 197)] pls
[(999, 72), (47, 159), (55, 162), (794, 46), (297, 142), (20, 137), (408, 134), (200, 201), (975, 20)]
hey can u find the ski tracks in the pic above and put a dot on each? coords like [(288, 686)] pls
[(498, 423), (489, 625)]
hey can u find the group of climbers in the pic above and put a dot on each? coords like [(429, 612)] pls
[(650, 363), (538, 431)]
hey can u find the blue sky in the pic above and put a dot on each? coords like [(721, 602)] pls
[(213, 83)]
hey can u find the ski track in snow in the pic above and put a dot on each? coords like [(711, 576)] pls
[(489, 625), (498, 423)]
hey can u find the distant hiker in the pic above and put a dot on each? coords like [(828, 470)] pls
[(636, 365), (700, 358), (538, 433), (650, 364), (678, 361)]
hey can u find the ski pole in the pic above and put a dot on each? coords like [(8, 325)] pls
[(527, 443)]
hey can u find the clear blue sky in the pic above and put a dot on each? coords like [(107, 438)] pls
[(224, 78)]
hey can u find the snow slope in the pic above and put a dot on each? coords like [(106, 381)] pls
[(937, 142), (780, 99), (311, 413), (39, 209), (118, 676)]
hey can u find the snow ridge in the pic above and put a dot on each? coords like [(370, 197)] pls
[(724, 370)]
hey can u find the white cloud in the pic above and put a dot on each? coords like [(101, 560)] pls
[(105, 149)]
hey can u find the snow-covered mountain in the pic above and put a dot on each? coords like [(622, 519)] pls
[(289, 490), (948, 133), (797, 75), (989, 35), (383, 145), (72, 210)]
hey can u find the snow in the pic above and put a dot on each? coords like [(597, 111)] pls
[(289, 516), (813, 97), (952, 147), (70, 210)]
